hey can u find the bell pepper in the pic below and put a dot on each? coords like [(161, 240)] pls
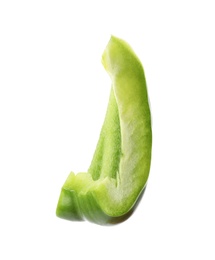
[(116, 179)]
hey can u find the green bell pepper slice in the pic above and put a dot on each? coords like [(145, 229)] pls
[(116, 179)]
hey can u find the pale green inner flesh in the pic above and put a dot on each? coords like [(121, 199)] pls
[(105, 162)]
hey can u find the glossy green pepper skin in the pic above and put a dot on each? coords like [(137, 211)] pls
[(110, 190)]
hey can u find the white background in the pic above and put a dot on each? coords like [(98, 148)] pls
[(53, 97)]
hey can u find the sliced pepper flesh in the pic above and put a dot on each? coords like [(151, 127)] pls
[(116, 179)]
